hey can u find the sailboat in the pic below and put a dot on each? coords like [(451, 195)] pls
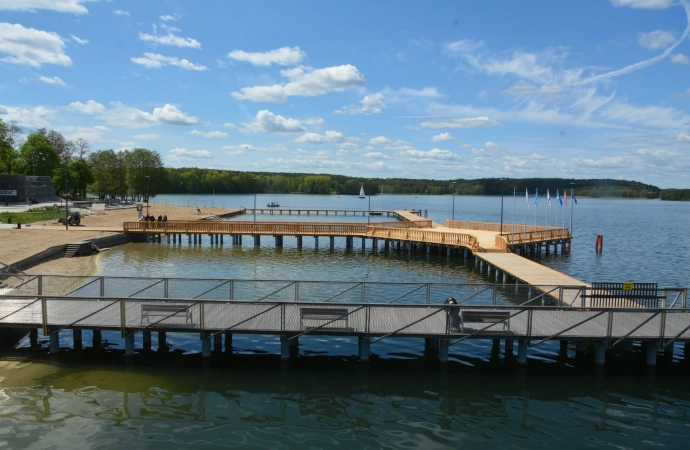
[(361, 192)]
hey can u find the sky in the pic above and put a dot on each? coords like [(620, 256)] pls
[(434, 89)]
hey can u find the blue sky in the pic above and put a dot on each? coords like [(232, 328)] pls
[(435, 89)]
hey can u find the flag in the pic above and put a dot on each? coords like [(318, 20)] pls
[(526, 197), (548, 197), (573, 194), (536, 198), (565, 197), (558, 197)]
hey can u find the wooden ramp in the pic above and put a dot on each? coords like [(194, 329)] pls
[(533, 273)]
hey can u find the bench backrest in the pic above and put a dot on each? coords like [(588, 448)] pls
[(485, 316), (622, 294), (335, 312)]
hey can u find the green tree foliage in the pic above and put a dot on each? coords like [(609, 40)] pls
[(38, 157), (8, 155), (145, 173), (675, 194)]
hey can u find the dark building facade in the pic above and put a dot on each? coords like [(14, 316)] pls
[(20, 188)]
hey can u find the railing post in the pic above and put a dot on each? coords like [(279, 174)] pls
[(363, 296), (685, 298), (609, 329), (123, 318), (493, 294), (40, 285), (664, 302), (202, 319), (662, 328), (297, 291), (165, 288), (282, 318), (102, 288), (44, 314), (232, 290), (428, 293), (529, 323)]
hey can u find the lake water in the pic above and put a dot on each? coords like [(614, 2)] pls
[(402, 400)]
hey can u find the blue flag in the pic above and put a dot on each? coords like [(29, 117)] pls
[(573, 196), (558, 197), (536, 198)]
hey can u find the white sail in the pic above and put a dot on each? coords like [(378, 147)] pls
[(361, 192)]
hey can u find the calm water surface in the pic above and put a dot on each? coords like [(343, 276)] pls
[(402, 400)]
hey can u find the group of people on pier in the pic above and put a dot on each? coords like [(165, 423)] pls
[(151, 218)]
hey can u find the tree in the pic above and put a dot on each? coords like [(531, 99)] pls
[(38, 157), (143, 163), (8, 155), (80, 176), (62, 146), (81, 148)]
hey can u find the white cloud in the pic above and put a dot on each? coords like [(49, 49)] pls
[(380, 140), (52, 80), (170, 18), (171, 115), (304, 82), (651, 116), (230, 125), (284, 56), (182, 154), (655, 40), (91, 134), (683, 137), (376, 155), (78, 40), (490, 145), (434, 154), (237, 150), (371, 104), (90, 107), (442, 137), (146, 136), (119, 12), (209, 134), (644, 4), (3, 110), (31, 47), (170, 39), (156, 60), (680, 58), (465, 122), (66, 6), (130, 117), (30, 118), (268, 122), (311, 138), (335, 136)]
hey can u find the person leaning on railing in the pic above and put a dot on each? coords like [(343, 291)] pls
[(453, 313)]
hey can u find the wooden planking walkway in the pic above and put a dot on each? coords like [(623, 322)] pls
[(533, 273)]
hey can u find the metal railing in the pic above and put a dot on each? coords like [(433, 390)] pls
[(316, 291), (535, 323)]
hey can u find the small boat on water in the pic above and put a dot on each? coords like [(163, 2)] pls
[(273, 205), (361, 192)]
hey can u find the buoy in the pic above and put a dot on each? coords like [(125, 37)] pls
[(599, 244)]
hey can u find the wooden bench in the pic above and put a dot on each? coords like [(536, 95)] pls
[(484, 316), (165, 310), (338, 315), (623, 295)]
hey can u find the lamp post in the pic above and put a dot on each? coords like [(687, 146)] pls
[(148, 178), (501, 232), (453, 216), (66, 197), (369, 215), (255, 179)]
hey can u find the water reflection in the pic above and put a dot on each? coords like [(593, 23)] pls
[(145, 407)]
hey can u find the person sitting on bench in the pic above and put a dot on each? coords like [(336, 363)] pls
[(453, 314)]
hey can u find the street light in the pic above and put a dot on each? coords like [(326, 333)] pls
[(501, 232), (255, 179), (66, 197), (148, 178), (453, 183), (369, 215)]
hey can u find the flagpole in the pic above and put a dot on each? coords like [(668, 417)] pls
[(536, 204), (572, 203), (548, 200), (513, 232), (524, 227)]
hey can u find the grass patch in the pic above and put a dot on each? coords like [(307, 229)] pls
[(32, 215)]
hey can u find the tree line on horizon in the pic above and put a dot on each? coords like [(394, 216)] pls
[(131, 174)]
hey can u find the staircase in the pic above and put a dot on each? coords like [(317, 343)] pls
[(80, 248)]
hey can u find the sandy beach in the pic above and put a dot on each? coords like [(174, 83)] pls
[(16, 245)]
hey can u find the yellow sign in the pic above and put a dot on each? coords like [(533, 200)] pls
[(628, 286)]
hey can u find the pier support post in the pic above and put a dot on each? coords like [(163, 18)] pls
[(509, 348), (221, 239), (348, 242), (316, 242), (428, 248), (448, 250), (374, 244), (76, 339), (97, 338), (364, 241), (443, 351), (54, 343), (299, 241), (364, 349), (600, 354), (284, 348), (146, 337), (167, 238), (228, 342), (206, 348), (194, 238), (33, 338), (332, 241), (257, 240), (279, 241), (129, 345), (162, 344), (386, 244), (522, 352), (628, 346), (218, 343), (651, 354)]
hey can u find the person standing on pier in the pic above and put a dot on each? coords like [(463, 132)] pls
[(453, 314)]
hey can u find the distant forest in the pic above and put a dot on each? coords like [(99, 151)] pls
[(675, 194), (206, 181)]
